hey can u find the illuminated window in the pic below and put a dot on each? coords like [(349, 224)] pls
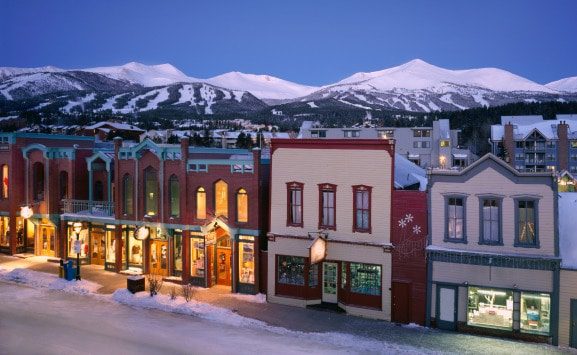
[(295, 204), (242, 206), (455, 219), (246, 261), (174, 191), (526, 215), (290, 270), (200, 203), (221, 199), (197, 257), (127, 195), (5, 181), (490, 308), (150, 192), (535, 312), (362, 208), (445, 143), (490, 221), (366, 279), (327, 206)]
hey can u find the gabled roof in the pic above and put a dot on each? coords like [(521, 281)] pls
[(115, 125)]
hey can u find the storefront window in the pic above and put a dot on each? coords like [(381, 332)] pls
[(490, 308), (20, 231), (135, 251), (4, 231), (366, 279), (535, 312), (110, 247), (197, 257), (314, 275), (246, 261), (291, 270), (83, 237), (177, 249), (343, 275)]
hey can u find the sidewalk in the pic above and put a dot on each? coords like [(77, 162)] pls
[(307, 320)]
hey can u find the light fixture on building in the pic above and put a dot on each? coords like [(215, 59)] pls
[(77, 227), (26, 212), (442, 161), (142, 233)]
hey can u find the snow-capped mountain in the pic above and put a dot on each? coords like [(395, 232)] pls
[(262, 86), (567, 84), (413, 86), (145, 75)]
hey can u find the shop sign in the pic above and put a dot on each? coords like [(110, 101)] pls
[(77, 246), (318, 250), (246, 238), (210, 238)]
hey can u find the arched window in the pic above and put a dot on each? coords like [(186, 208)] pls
[(38, 181), (127, 195), (150, 192), (174, 190), (200, 203), (5, 181), (98, 191), (241, 206), (221, 199), (63, 184)]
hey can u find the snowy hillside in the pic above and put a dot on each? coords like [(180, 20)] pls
[(567, 84), (6, 72), (262, 86), (145, 75)]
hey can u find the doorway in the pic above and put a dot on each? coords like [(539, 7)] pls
[(446, 314), (223, 262), (97, 247), (47, 240), (401, 302), (159, 257), (329, 282), (573, 324)]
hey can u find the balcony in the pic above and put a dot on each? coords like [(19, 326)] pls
[(535, 148), (88, 208)]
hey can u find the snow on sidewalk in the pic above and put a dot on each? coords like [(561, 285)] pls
[(38, 279)]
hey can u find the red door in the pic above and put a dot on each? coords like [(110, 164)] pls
[(401, 302)]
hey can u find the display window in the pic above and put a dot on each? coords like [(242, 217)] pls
[(20, 231), (110, 247), (177, 252), (246, 261), (314, 275), (135, 249), (535, 312), (290, 270), (4, 231), (83, 237), (197, 255), (366, 279), (491, 308)]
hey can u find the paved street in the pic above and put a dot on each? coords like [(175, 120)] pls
[(49, 318)]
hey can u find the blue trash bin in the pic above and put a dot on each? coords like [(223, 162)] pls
[(69, 270)]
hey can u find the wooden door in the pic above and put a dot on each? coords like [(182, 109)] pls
[(223, 266), (330, 282), (97, 248), (159, 257), (446, 313), (47, 241), (573, 324), (401, 302)]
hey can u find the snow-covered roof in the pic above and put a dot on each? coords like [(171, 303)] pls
[(408, 173), (521, 120), (547, 128), (567, 229), (122, 126)]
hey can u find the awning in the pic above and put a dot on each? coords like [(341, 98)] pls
[(413, 156), (459, 156)]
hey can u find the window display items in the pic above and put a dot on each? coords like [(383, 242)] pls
[(197, 258), (246, 262), (535, 309), (490, 308)]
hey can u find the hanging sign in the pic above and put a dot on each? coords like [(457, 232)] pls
[(77, 246), (318, 250)]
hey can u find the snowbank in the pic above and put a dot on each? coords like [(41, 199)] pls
[(52, 282), (258, 298)]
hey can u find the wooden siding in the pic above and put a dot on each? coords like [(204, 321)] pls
[(490, 181)]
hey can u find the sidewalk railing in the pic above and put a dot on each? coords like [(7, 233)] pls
[(88, 208)]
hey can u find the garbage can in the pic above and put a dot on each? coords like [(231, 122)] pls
[(69, 271)]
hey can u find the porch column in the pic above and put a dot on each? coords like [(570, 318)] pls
[(118, 244), (185, 256)]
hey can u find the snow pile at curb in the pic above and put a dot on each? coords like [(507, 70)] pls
[(258, 298), (226, 316), (52, 282), (180, 306)]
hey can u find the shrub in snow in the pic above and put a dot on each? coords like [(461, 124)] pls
[(187, 292), (154, 283), (173, 293)]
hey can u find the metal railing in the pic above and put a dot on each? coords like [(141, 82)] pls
[(88, 208)]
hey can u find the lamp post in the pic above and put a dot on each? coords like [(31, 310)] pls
[(78, 248)]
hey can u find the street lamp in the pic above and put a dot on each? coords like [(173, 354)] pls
[(78, 247)]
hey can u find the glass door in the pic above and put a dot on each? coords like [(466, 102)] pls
[(159, 257), (97, 247), (329, 282)]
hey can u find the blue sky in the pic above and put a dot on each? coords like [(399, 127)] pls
[(311, 42)]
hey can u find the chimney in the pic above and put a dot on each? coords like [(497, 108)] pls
[(509, 143), (117, 145), (563, 145), (184, 143)]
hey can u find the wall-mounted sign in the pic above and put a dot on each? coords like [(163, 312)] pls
[(318, 250)]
